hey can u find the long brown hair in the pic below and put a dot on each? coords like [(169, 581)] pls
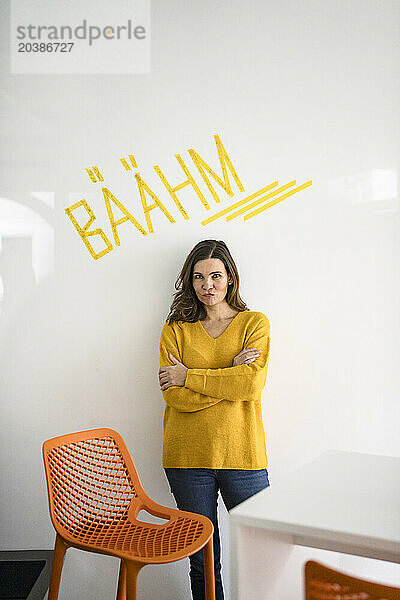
[(186, 306)]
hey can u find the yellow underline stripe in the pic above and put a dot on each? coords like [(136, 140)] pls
[(262, 208), (257, 202), (239, 203)]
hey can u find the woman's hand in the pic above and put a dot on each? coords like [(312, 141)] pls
[(172, 375), (246, 356)]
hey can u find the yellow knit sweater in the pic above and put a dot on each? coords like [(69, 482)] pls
[(215, 420)]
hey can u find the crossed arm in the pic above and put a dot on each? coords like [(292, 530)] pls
[(205, 387), (179, 397)]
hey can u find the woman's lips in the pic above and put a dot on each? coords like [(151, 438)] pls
[(208, 294)]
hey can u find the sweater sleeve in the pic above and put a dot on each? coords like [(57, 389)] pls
[(242, 382), (179, 397)]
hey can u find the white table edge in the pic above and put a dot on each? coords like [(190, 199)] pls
[(336, 541)]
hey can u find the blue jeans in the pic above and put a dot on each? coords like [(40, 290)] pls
[(196, 490)]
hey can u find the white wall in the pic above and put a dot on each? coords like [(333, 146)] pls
[(296, 90)]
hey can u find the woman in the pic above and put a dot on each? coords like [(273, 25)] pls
[(213, 365)]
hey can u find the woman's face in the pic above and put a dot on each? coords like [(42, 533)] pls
[(210, 281)]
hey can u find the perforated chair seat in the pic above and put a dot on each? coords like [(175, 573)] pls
[(144, 542), (95, 496)]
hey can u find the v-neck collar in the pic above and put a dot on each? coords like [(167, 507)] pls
[(221, 334)]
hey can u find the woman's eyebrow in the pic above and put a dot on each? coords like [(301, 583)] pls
[(198, 272)]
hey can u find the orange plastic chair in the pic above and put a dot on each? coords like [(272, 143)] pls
[(323, 583), (95, 496)]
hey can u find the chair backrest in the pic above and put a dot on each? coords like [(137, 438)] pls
[(91, 481), (324, 583)]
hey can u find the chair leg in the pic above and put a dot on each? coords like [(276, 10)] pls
[(209, 575), (58, 559), (121, 591), (132, 570)]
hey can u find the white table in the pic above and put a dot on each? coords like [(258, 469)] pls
[(346, 502)]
